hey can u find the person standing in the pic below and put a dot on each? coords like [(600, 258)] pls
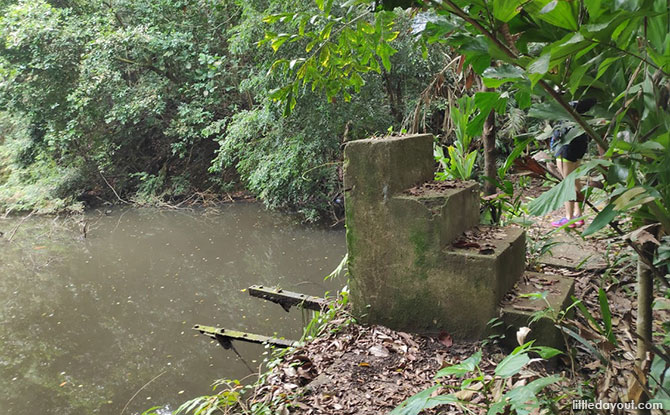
[(568, 158)]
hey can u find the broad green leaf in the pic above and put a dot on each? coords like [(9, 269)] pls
[(440, 400), (538, 68), (384, 50), (524, 398), (540, 65), (505, 10), (493, 77), (562, 192), (563, 13), (511, 365), (414, 404), (594, 8), (324, 55), (486, 100), (629, 5), (278, 41), (555, 197), (549, 7), (546, 352), (465, 367), (602, 219), (523, 99)]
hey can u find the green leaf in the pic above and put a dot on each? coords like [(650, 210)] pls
[(465, 367), (562, 192), (558, 13), (629, 5), (523, 99), (576, 77), (523, 398), (440, 400), (580, 305), (511, 365), (604, 65), (549, 111), (538, 68), (549, 7), (540, 65), (278, 41), (584, 342), (606, 315), (602, 219), (384, 50), (414, 404), (555, 197), (547, 352), (493, 77), (505, 10)]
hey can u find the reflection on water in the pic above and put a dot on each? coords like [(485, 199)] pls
[(87, 322)]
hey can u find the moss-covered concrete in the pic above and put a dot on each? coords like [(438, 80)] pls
[(522, 311), (402, 273)]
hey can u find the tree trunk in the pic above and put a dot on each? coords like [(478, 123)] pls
[(489, 140), (645, 297)]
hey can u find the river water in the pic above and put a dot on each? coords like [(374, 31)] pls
[(87, 322)]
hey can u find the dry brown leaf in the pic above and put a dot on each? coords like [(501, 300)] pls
[(379, 351), (635, 389), (445, 339), (467, 394)]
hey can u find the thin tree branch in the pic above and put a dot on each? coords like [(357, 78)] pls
[(110, 186), (16, 228)]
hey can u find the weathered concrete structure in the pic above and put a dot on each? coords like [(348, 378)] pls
[(406, 272)]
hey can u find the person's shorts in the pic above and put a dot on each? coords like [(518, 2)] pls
[(574, 150)]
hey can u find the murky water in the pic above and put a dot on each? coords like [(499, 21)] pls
[(87, 322)]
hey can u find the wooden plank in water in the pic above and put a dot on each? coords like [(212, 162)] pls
[(288, 299), (224, 336)]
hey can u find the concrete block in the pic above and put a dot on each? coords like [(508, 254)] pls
[(375, 169), (519, 311), (404, 272)]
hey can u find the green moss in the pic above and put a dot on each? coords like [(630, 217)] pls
[(420, 243), (410, 311)]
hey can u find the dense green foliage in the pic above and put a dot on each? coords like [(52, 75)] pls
[(161, 99)]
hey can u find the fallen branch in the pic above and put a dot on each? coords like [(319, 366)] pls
[(16, 228), (110, 186), (140, 390)]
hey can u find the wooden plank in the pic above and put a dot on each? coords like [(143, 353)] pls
[(224, 337), (288, 299)]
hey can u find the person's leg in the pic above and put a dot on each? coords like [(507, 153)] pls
[(574, 211), (562, 165)]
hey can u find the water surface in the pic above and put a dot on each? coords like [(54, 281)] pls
[(87, 322)]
